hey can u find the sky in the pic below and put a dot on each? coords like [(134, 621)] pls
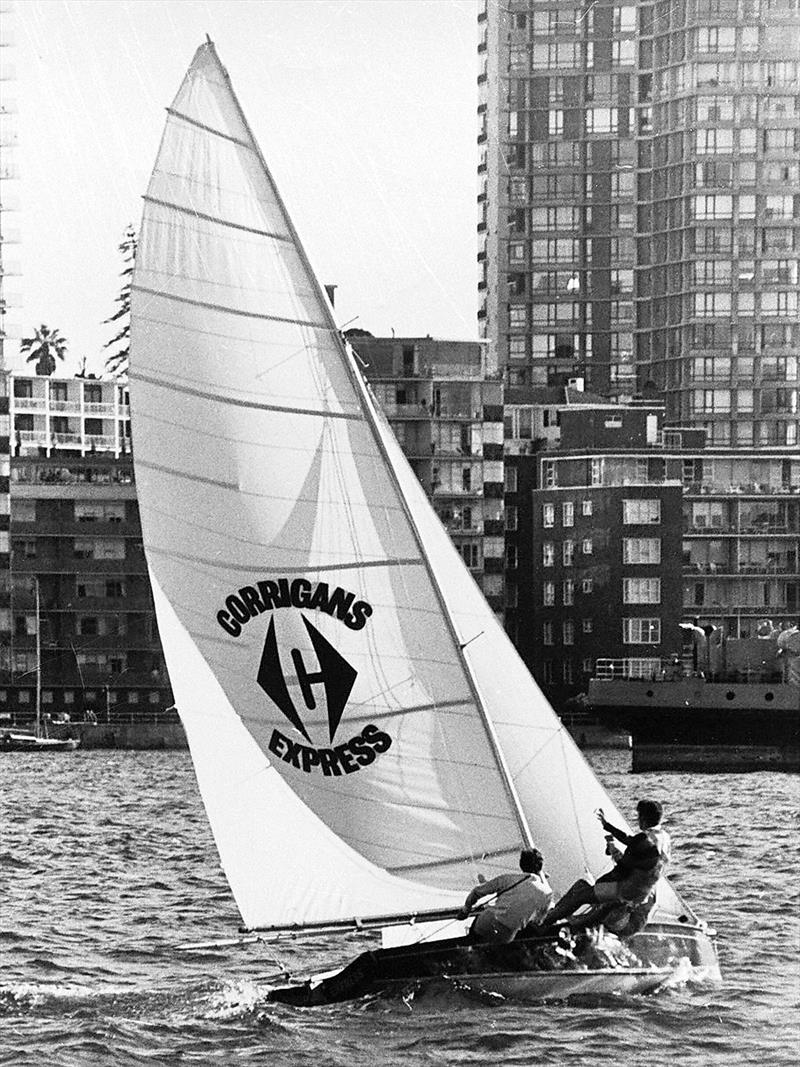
[(365, 111)]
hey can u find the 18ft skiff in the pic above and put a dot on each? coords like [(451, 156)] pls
[(365, 737)]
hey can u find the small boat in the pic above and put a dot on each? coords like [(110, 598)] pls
[(725, 705), (38, 740), (14, 741), (366, 740)]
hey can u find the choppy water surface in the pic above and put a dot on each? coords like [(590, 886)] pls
[(106, 862)]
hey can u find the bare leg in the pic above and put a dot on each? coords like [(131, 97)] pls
[(579, 894)]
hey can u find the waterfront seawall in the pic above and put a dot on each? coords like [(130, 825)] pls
[(131, 735)]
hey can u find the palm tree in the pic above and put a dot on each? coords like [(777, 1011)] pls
[(117, 362), (44, 347)]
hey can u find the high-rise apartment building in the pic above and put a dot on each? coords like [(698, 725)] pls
[(640, 204)]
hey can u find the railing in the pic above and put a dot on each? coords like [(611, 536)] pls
[(740, 489), (72, 406), (723, 569), (99, 409), (638, 667), (100, 442), (29, 403)]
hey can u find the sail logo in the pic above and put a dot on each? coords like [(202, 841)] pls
[(253, 600), (331, 677)]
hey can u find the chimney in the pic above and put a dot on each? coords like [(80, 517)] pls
[(331, 291)]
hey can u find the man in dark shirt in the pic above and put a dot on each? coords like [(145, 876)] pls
[(636, 870)]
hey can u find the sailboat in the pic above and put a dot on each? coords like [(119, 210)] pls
[(38, 740), (366, 740)]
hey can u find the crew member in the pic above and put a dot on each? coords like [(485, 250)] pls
[(636, 870), (520, 899)]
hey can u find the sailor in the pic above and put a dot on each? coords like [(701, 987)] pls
[(519, 900), (636, 870)]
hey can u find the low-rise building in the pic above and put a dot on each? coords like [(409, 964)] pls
[(621, 529), (75, 538), (447, 413)]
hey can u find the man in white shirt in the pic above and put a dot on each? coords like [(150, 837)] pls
[(519, 900)]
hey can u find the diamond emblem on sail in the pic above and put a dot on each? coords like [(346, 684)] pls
[(335, 675)]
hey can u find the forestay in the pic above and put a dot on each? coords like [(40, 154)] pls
[(365, 737)]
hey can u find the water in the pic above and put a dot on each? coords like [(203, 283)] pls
[(106, 862)]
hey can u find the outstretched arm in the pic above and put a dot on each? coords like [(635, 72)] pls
[(619, 834)]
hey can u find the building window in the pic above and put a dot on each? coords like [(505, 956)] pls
[(568, 553), (641, 590), (587, 546), (587, 585), (471, 555), (641, 512), (547, 633), (641, 550), (587, 665), (568, 592), (641, 631), (548, 554), (548, 515), (568, 632), (597, 466), (549, 594), (588, 626), (568, 513), (549, 479), (547, 672), (510, 479), (586, 507), (99, 548), (24, 511), (511, 517)]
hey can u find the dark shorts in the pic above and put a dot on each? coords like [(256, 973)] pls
[(631, 890)]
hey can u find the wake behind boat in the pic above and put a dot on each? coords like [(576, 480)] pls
[(366, 739)]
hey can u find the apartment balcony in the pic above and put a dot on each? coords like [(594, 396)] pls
[(732, 529), (455, 528), (109, 410), (100, 442), (457, 492), (29, 403), (66, 407), (738, 570), (748, 489), (42, 439)]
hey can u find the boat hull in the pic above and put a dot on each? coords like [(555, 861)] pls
[(13, 742), (692, 724), (666, 954)]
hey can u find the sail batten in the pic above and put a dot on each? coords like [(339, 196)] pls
[(180, 208), (352, 705), (211, 129), (244, 312), (237, 402)]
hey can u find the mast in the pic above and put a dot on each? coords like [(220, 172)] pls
[(38, 659), (360, 389)]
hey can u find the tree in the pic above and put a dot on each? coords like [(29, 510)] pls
[(117, 361), (45, 347)]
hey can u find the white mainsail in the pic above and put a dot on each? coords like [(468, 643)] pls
[(365, 737)]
